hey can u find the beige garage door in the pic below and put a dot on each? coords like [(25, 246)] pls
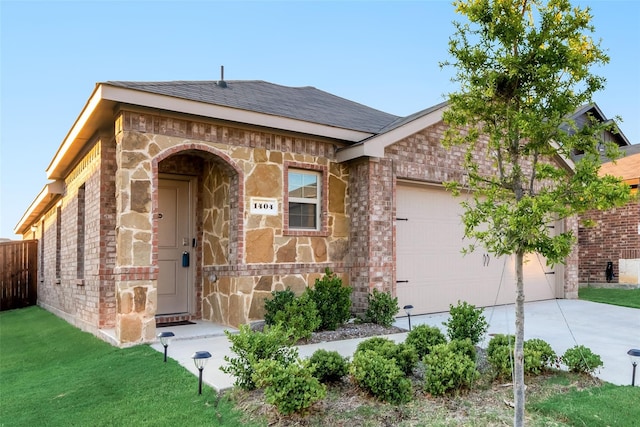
[(431, 271)]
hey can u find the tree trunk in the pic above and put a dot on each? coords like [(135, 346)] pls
[(518, 353)]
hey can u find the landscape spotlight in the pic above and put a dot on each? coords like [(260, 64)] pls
[(200, 359), (407, 309), (165, 337), (634, 355)]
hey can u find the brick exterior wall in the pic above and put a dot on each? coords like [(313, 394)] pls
[(77, 256), (615, 235), (241, 257)]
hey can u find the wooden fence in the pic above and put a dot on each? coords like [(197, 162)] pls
[(18, 274)]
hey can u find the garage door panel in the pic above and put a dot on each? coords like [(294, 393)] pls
[(432, 272)]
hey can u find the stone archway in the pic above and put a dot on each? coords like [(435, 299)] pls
[(218, 213)]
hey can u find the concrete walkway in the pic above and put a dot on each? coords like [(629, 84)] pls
[(608, 330)]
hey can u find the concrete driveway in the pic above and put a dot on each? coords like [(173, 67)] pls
[(608, 330)]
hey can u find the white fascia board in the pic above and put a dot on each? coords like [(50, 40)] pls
[(567, 160), (375, 146), (169, 103), (38, 205), (80, 122)]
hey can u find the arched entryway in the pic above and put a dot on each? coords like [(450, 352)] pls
[(197, 219)]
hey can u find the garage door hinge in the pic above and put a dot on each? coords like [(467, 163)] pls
[(402, 219)]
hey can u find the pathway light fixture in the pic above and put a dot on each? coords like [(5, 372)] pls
[(200, 358), (634, 355), (165, 338), (407, 309)]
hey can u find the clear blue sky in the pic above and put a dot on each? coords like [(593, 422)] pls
[(382, 54)]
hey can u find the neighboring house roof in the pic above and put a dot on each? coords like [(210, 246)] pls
[(627, 167), (302, 103)]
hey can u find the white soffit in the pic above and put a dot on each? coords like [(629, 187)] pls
[(42, 200)]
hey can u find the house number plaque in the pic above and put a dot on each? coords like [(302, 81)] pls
[(263, 206)]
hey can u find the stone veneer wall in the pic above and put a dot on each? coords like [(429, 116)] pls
[(243, 256), (615, 235)]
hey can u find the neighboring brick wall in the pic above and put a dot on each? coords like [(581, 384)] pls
[(614, 233)]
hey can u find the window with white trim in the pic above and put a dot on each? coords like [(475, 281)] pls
[(304, 193)]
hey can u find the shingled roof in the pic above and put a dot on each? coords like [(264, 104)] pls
[(302, 103)]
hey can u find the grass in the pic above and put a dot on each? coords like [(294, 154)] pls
[(621, 297), (607, 405), (52, 374)]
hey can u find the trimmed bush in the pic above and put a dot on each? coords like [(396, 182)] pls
[(328, 366), (382, 308), (300, 316), (464, 347), (466, 321), (447, 369), (380, 376), (403, 355), (277, 304), (500, 354), (290, 387), (581, 359), (332, 300), (253, 346), (423, 337), (538, 356)]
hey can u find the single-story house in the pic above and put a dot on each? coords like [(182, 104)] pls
[(184, 200), (614, 236)]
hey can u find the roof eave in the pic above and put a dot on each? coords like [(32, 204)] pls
[(49, 195), (101, 104), (375, 146)]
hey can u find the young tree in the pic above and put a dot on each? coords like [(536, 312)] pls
[(523, 67)]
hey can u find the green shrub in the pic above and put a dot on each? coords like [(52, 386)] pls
[(500, 354), (404, 355), (253, 346), (447, 369), (332, 299), (300, 316), (423, 337), (464, 347), (466, 321), (290, 387), (373, 344), (538, 356), (328, 366), (277, 304), (581, 359), (380, 376), (382, 308)]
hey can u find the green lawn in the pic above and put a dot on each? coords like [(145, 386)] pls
[(608, 405), (622, 297), (52, 374)]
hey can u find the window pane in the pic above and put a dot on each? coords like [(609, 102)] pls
[(302, 185), (310, 188), (302, 215)]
